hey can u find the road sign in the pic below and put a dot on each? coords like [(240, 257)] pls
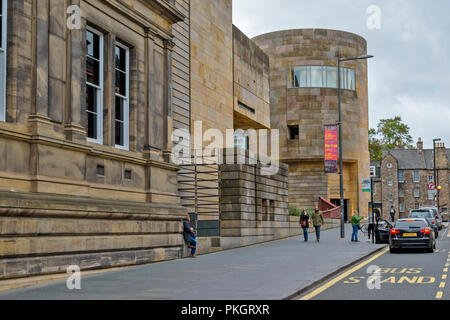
[(373, 171), (431, 186)]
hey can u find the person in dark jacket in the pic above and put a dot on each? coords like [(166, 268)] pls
[(189, 236), (304, 223), (318, 221)]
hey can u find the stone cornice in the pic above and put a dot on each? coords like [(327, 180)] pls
[(91, 149), (150, 27)]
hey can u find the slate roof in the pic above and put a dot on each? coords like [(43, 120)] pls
[(411, 159)]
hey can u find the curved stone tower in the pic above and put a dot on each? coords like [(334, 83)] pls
[(304, 98)]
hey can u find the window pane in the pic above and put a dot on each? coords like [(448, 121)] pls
[(119, 133), (331, 77), (91, 99), (92, 125), (120, 59), (296, 79), (121, 81), (119, 109), (303, 77), (351, 80), (93, 44), (316, 77), (92, 71)]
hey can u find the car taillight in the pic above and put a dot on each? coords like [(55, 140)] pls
[(433, 221), (394, 232), (426, 231)]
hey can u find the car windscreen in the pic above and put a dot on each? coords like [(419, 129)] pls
[(410, 224), (420, 214)]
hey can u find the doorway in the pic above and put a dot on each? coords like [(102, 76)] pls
[(337, 202)]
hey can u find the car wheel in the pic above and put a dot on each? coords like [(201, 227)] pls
[(430, 250), (392, 250), (434, 246)]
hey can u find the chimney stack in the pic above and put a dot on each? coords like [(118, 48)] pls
[(420, 146)]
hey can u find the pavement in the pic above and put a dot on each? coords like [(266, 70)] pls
[(269, 271), (407, 275)]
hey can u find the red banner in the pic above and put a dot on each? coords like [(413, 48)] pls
[(331, 149)]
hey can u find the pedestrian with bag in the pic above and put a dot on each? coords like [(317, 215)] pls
[(318, 221), (356, 220), (304, 223)]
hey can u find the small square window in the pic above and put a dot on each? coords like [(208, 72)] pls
[(100, 170), (294, 132), (416, 193), (127, 174)]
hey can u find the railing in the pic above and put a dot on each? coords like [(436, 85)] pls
[(330, 211), (199, 191)]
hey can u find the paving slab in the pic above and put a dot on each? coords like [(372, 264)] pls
[(268, 271)]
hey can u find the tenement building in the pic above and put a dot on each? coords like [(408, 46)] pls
[(86, 110), (304, 99), (406, 175)]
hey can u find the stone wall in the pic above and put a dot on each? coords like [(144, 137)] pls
[(253, 206), (65, 200), (251, 84)]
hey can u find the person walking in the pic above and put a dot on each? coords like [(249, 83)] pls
[(304, 223), (356, 220), (189, 236), (392, 212), (318, 221)]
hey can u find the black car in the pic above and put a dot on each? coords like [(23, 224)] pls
[(412, 233), (428, 215)]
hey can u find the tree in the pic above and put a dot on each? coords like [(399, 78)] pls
[(389, 134), (393, 132)]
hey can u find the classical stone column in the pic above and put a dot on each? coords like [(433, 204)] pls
[(168, 49), (75, 119), (39, 119)]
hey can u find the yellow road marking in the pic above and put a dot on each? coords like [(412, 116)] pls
[(442, 285), (445, 269), (439, 295), (447, 264), (444, 276), (342, 276)]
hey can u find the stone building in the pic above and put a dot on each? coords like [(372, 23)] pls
[(87, 112), (406, 174), (304, 98)]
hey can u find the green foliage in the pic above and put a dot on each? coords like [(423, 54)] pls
[(298, 212), (389, 134), (295, 212)]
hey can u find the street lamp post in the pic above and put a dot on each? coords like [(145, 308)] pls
[(436, 201), (341, 161)]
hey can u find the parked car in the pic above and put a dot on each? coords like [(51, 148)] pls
[(382, 231), (428, 215), (437, 216), (412, 233)]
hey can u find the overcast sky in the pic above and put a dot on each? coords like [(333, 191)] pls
[(409, 75)]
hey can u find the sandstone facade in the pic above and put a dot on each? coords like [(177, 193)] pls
[(66, 200), (310, 109), (406, 173)]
